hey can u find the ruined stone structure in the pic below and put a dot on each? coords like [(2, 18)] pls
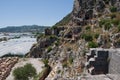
[(85, 10), (97, 61), (103, 61), (114, 64)]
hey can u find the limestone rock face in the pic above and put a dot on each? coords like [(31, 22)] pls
[(85, 10), (116, 40), (39, 49)]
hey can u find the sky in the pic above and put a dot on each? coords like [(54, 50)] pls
[(33, 12)]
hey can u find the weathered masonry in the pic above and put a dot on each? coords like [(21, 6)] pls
[(103, 61)]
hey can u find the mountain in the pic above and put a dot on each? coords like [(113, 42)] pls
[(26, 28), (91, 24)]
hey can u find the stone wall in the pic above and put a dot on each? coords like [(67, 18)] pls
[(97, 61), (114, 64), (108, 59)]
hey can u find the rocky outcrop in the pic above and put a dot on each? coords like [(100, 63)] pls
[(39, 49), (84, 10), (116, 40), (114, 61), (80, 30)]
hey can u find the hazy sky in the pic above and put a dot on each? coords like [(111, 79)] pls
[(29, 12)]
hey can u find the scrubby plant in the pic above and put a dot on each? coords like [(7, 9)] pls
[(92, 44), (65, 64), (45, 61), (58, 71), (96, 35), (113, 9), (87, 37), (102, 22), (115, 21), (39, 36), (53, 37), (57, 42), (88, 28), (25, 72), (107, 25), (71, 60), (49, 49)]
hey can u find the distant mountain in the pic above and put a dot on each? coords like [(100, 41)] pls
[(25, 28)]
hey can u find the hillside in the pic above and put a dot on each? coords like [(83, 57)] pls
[(91, 24), (30, 28)]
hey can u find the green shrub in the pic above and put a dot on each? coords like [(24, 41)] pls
[(57, 43), (24, 73), (53, 37), (113, 9), (107, 26), (39, 36), (88, 28), (45, 61), (49, 49), (115, 21), (92, 44), (102, 22), (71, 60), (58, 71), (87, 37), (96, 35), (30, 70), (65, 64)]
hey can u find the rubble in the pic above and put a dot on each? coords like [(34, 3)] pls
[(6, 64)]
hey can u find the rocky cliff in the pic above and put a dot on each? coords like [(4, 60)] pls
[(91, 24), (85, 10)]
